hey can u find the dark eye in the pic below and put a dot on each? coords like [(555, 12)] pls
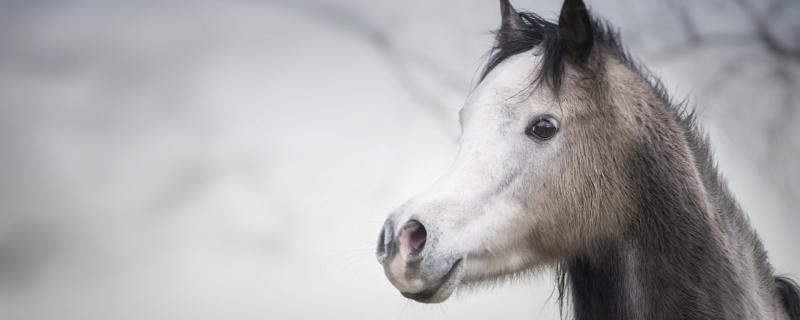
[(542, 128)]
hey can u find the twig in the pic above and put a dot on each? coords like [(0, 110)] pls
[(380, 39)]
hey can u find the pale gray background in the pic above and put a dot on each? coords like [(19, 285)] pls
[(235, 159)]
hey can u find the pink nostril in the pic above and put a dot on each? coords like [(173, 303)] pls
[(417, 241), (413, 237)]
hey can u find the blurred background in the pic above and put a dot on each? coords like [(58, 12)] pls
[(235, 159)]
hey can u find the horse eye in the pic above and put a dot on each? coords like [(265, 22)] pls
[(542, 129)]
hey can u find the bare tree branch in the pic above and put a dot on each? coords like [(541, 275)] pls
[(380, 39), (695, 40), (764, 34), (686, 20), (680, 50)]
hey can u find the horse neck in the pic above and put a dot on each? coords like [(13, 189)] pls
[(688, 252)]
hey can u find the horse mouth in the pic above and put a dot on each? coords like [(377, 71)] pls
[(443, 288)]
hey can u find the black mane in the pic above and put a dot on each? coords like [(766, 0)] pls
[(537, 31), (541, 32)]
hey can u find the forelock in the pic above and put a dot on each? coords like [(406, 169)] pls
[(544, 35)]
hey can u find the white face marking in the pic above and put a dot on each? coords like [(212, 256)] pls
[(485, 206)]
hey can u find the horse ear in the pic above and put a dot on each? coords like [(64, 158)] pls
[(511, 29), (576, 29)]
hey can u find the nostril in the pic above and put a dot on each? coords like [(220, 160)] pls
[(414, 236)]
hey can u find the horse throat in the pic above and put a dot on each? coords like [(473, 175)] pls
[(655, 275), (681, 257)]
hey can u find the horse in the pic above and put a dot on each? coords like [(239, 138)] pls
[(573, 158)]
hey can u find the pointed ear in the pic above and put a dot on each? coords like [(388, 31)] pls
[(511, 29), (576, 30)]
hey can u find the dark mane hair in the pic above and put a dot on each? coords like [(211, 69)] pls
[(790, 296), (539, 32)]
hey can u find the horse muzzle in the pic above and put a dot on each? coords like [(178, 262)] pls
[(411, 262)]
